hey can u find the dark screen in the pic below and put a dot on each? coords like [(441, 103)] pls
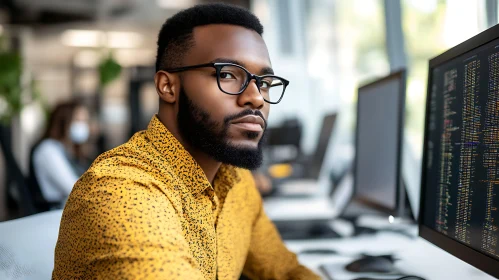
[(322, 144), (462, 153), (377, 148)]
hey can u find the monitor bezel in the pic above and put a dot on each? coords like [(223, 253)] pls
[(316, 165), (400, 192), (467, 254)]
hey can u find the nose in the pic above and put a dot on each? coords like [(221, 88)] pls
[(251, 97)]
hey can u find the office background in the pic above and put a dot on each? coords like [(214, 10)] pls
[(326, 48)]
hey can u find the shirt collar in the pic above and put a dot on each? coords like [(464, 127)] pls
[(227, 176), (184, 165)]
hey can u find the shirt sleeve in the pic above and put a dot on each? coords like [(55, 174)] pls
[(114, 228), (50, 163), (268, 257)]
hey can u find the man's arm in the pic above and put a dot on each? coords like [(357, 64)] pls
[(114, 228), (268, 257)]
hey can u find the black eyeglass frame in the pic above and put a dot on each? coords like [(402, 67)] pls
[(218, 67)]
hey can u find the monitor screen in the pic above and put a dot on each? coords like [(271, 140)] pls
[(461, 162), (322, 145), (378, 142)]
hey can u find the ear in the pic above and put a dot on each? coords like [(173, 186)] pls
[(166, 86)]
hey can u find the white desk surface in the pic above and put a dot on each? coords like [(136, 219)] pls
[(27, 246), (416, 256), (32, 240)]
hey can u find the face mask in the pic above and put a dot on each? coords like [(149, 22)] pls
[(79, 132)]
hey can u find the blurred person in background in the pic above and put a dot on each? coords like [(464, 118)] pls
[(177, 201), (58, 159)]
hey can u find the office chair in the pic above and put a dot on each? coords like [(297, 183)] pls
[(25, 201)]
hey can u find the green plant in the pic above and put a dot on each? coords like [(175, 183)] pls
[(109, 69), (11, 69), (10, 85)]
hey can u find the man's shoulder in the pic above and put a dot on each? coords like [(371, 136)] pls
[(134, 164), (136, 157), (112, 185), (136, 148)]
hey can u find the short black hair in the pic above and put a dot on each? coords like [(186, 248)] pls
[(175, 36)]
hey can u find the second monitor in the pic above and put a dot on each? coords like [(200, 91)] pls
[(380, 125)]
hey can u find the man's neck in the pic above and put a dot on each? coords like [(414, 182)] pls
[(209, 165)]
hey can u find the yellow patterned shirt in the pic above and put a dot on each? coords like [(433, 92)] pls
[(145, 210)]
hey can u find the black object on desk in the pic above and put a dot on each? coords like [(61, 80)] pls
[(305, 229), (379, 264), (319, 251), (408, 277)]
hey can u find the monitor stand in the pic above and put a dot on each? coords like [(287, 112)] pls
[(366, 220), (342, 227), (354, 220), (369, 224)]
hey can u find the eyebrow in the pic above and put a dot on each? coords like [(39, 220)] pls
[(263, 71)]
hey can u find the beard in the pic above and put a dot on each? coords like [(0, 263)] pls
[(209, 136)]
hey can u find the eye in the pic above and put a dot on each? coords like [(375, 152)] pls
[(265, 84), (226, 75)]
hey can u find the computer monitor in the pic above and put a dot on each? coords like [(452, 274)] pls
[(460, 174), (308, 167), (380, 123), (322, 145)]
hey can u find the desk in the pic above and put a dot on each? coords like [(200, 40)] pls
[(27, 246), (417, 256), (30, 244)]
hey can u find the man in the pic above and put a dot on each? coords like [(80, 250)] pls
[(176, 200)]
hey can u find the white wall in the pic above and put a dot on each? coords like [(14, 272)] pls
[(305, 98)]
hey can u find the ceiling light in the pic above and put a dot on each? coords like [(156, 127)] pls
[(83, 38), (175, 4), (96, 39)]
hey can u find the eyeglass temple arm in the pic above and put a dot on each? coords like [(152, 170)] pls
[(180, 69)]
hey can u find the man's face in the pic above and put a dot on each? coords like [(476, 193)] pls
[(229, 128)]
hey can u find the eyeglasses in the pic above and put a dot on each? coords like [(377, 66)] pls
[(233, 79)]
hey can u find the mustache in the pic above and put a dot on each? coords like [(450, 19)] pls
[(247, 112)]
